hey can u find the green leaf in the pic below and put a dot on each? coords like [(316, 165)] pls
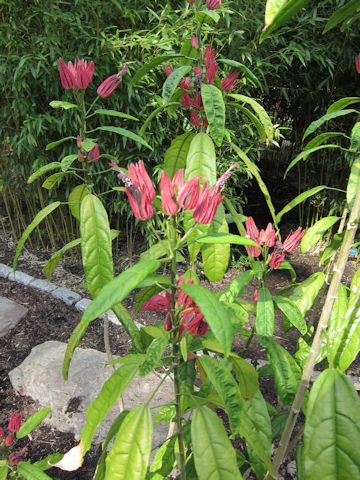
[(279, 12), (129, 457), (207, 16), (164, 460), (328, 252), (337, 323), (157, 250), (4, 472), (115, 113), (258, 415), (321, 138), (209, 436), (76, 196), (47, 462), (148, 66), (33, 422), (355, 138), (175, 155), (258, 125), (349, 341), (39, 217), (51, 181), (306, 292), (298, 199), (96, 249), (145, 294), (265, 316), (304, 155), (43, 170), (342, 103), (255, 171), (110, 392), (243, 69), (31, 472), (61, 104), (316, 232), (353, 183), (166, 413), (285, 265), (292, 313), (278, 424), (236, 287), (54, 260), (154, 113), (287, 373), (325, 118), (216, 256), (260, 112), (332, 429), (88, 144), (109, 297), (153, 355), (225, 238), (246, 375), (201, 159), (215, 111), (300, 463), (128, 323), (215, 313), (189, 53), (125, 133), (172, 81), (341, 14), (52, 145), (226, 387), (67, 161)]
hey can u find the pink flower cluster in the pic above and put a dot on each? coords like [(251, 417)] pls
[(191, 96), (78, 76), (192, 319), (8, 441), (269, 239), (176, 194)]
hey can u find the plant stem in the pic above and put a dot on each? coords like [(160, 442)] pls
[(323, 322)]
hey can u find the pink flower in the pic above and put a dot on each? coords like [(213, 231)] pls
[(139, 189), (194, 119), (15, 422), (189, 194), (194, 41), (267, 236), (212, 4), (9, 440), (168, 69), (197, 70), (2, 433), (186, 83), (17, 457), (78, 141), (158, 303), (228, 83), (357, 63), (167, 195), (255, 295), (276, 259), (252, 232), (81, 157), (186, 100), (77, 76), (293, 240), (111, 83), (210, 74), (93, 155), (208, 55), (198, 101)]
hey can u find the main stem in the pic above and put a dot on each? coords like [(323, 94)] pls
[(323, 323)]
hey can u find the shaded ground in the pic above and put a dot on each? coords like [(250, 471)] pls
[(50, 319)]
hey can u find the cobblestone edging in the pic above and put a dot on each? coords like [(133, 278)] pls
[(81, 304)]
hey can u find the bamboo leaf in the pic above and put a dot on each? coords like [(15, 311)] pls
[(154, 114), (265, 316), (325, 118), (39, 217), (215, 111), (242, 68), (209, 436), (298, 199), (175, 155), (321, 138), (260, 112), (33, 422), (332, 429), (316, 232), (172, 81), (125, 133), (43, 170)]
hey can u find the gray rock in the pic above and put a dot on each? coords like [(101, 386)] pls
[(39, 376), (66, 295), (10, 314), (291, 469), (43, 285), (5, 270), (20, 277), (82, 304)]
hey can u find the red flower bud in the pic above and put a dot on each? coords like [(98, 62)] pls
[(9, 440), (15, 421), (111, 83)]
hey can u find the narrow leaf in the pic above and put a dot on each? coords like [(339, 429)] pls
[(265, 316), (62, 104), (52, 145), (325, 118), (342, 103), (292, 313), (353, 183), (304, 155), (125, 133), (215, 111), (316, 232), (298, 199), (342, 14), (43, 170), (224, 238), (243, 69), (260, 112), (115, 113), (172, 81), (33, 422), (154, 113)]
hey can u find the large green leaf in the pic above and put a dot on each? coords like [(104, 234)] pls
[(96, 247), (332, 429), (287, 373), (39, 217), (150, 65), (342, 103), (325, 118), (305, 293), (292, 313), (31, 472), (246, 375), (304, 155), (316, 232), (33, 422), (226, 387), (129, 457), (342, 14), (112, 294), (207, 16), (201, 159), (125, 133), (236, 286), (258, 416), (260, 112), (214, 456), (353, 183), (172, 81), (4, 472), (215, 111), (215, 313), (99, 408), (175, 155), (43, 170), (76, 196), (265, 316), (298, 199), (216, 256)]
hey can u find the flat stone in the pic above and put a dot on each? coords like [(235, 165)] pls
[(5, 270), (82, 304), (39, 376), (10, 314), (66, 295), (20, 277), (43, 285)]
